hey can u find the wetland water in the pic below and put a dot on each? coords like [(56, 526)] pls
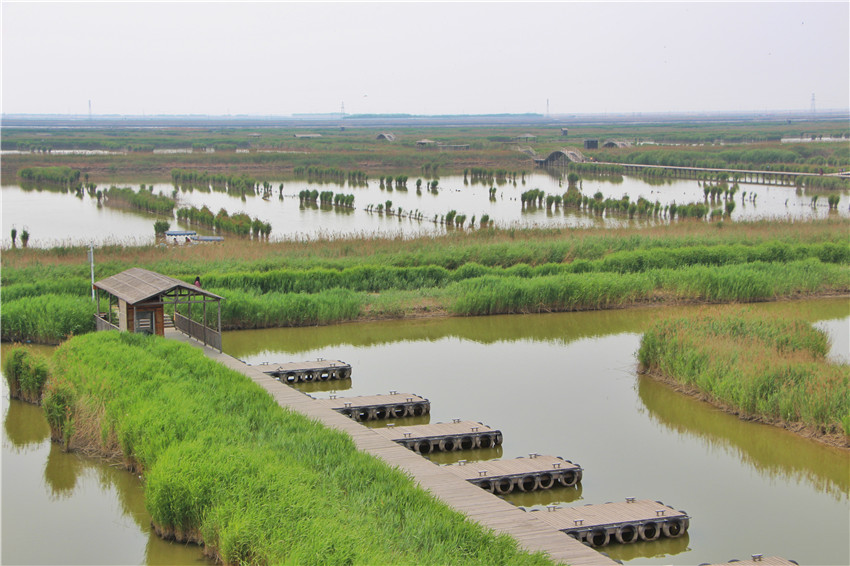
[(61, 218), (566, 385), (561, 384), (60, 508)]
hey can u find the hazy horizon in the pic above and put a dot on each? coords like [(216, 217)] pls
[(424, 59)]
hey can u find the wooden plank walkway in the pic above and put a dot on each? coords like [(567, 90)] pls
[(484, 508), (524, 474), (601, 524), (377, 407)]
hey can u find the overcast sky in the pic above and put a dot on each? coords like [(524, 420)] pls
[(423, 58)]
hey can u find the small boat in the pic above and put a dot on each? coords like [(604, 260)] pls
[(190, 237)]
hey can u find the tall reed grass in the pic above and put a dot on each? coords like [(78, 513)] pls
[(770, 367), (26, 373), (223, 463), (47, 319)]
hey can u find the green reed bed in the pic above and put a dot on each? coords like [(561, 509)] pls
[(223, 463), (47, 319), (296, 297), (765, 366), (582, 291), (25, 373), (243, 309)]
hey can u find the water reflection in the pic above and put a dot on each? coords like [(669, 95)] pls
[(765, 448), (539, 500), (24, 425), (60, 472), (90, 512), (657, 549), (265, 344)]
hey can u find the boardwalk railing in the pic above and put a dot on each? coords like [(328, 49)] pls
[(101, 323), (198, 331)]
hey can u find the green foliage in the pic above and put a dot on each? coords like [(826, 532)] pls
[(58, 175), (26, 373), (258, 483), (46, 318), (244, 309), (161, 226), (60, 406), (143, 200), (771, 367)]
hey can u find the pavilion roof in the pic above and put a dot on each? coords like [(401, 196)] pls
[(137, 285)]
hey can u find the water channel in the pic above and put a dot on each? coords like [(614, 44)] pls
[(54, 218), (561, 384)]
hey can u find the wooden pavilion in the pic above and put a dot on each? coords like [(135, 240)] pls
[(136, 301)]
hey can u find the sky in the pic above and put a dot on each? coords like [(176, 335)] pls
[(283, 58)]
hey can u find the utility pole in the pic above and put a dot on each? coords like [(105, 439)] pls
[(813, 104), (89, 110), (91, 262)]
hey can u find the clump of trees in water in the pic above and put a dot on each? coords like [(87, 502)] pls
[(331, 175), (144, 199), (64, 176), (240, 224)]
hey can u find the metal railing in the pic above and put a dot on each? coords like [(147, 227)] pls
[(198, 331)]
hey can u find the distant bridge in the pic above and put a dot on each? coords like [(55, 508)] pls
[(562, 155)]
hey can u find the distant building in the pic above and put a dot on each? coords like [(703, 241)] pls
[(591, 144), (526, 138), (565, 132), (423, 144), (307, 136), (385, 136)]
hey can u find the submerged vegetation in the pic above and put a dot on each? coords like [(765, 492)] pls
[(769, 367), (142, 200), (224, 464), (65, 176)]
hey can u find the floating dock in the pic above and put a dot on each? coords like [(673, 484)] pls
[(758, 560), (379, 407), (524, 474), (623, 522), (306, 372), (443, 437)]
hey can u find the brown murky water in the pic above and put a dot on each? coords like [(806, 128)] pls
[(566, 385), (561, 384)]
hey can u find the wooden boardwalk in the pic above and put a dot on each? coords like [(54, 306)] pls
[(378, 407), (524, 474), (484, 508)]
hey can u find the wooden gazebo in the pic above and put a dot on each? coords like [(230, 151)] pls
[(136, 298)]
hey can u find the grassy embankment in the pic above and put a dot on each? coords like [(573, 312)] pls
[(224, 464), (773, 369), (474, 273)]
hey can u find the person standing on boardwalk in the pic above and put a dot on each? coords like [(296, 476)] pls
[(198, 282)]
